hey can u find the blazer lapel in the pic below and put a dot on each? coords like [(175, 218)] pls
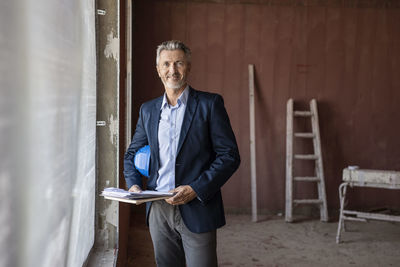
[(153, 127), (188, 117)]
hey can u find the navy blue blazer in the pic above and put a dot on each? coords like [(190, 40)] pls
[(207, 156)]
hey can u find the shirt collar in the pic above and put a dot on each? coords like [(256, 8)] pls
[(182, 98)]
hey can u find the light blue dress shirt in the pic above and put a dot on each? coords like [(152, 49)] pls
[(169, 130)]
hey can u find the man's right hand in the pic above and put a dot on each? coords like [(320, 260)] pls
[(135, 189)]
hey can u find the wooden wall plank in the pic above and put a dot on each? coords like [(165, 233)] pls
[(235, 94), (197, 41), (179, 21), (215, 44), (268, 173)]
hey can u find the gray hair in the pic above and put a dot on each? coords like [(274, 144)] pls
[(173, 45)]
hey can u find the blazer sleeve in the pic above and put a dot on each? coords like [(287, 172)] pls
[(132, 176), (227, 158)]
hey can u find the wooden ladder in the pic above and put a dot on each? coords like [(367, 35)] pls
[(317, 157)]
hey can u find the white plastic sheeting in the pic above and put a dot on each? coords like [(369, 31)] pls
[(47, 132)]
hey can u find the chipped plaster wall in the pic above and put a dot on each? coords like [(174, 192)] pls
[(112, 47), (107, 111)]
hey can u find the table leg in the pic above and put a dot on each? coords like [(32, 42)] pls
[(342, 197)]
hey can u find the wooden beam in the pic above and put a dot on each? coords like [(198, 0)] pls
[(252, 146)]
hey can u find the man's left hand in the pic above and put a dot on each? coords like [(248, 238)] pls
[(183, 195)]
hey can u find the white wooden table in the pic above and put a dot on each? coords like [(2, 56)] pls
[(365, 178)]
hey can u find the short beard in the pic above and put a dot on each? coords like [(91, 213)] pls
[(175, 86)]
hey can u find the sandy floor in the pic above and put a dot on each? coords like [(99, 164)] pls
[(272, 242)]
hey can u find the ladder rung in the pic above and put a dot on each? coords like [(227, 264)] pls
[(302, 113), (307, 201), (306, 157), (304, 135), (307, 179)]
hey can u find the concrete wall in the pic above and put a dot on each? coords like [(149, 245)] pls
[(343, 53), (107, 145), (47, 132)]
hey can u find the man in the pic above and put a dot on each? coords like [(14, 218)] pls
[(193, 153)]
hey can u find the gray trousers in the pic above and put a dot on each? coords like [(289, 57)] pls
[(174, 244)]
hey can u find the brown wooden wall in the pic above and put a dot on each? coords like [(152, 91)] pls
[(348, 58)]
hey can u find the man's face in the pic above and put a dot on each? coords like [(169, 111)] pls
[(173, 68)]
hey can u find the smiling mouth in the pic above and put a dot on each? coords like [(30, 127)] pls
[(174, 77)]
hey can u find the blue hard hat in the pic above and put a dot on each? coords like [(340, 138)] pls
[(142, 160)]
